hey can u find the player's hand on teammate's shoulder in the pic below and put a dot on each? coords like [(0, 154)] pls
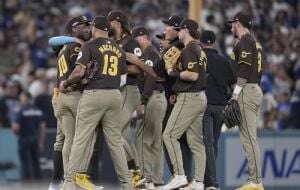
[(132, 58)]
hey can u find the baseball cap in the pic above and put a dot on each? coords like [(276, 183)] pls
[(77, 21), (161, 36), (117, 16), (120, 17), (208, 37), (243, 18), (173, 20), (191, 25), (101, 23), (139, 31)]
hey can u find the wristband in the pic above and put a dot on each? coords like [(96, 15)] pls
[(237, 90)]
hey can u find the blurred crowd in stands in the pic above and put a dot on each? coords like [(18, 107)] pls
[(28, 63)]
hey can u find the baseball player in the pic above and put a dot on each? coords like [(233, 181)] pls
[(249, 59), (130, 92), (65, 106), (100, 103), (58, 171), (171, 37), (219, 81), (154, 103), (189, 108), (68, 100)]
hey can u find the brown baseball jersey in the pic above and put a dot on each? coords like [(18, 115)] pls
[(128, 44), (110, 63), (192, 59), (66, 61), (152, 58), (249, 58)]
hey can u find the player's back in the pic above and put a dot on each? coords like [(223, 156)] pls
[(110, 62)]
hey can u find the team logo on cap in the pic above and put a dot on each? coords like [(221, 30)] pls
[(79, 55), (149, 63), (137, 51)]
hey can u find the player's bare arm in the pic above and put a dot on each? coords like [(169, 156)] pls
[(75, 76), (132, 58)]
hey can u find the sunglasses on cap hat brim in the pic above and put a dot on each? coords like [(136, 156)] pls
[(75, 24), (179, 28), (160, 36), (232, 21)]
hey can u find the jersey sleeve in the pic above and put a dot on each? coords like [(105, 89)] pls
[(189, 60), (244, 52), (74, 51), (84, 56)]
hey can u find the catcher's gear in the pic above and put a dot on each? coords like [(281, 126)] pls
[(232, 114), (171, 57)]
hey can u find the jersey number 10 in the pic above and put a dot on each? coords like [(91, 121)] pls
[(110, 66), (259, 57), (62, 66)]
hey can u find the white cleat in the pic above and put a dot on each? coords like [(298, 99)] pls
[(194, 186), (211, 188), (54, 186), (177, 182), (99, 187), (150, 186)]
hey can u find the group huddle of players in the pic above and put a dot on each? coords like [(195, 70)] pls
[(113, 82)]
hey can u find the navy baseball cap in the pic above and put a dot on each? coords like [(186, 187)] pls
[(208, 37)]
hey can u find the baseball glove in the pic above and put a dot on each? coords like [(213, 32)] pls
[(232, 114), (171, 57)]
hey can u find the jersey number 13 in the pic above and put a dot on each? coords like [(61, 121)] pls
[(110, 66)]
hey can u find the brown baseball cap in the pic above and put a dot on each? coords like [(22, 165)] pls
[(243, 18), (101, 23), (161, 36), (77, 21), (139, 31), (173, 20), (191, 25)]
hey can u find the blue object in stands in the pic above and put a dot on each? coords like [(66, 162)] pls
[(60, 40), (9, 153)]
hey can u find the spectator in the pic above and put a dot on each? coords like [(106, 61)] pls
[(30, 129)]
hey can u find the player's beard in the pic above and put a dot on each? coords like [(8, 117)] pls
[(85, 36), (111, 32)]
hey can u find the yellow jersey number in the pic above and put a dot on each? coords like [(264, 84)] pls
[(259, 57), (62, 65), (203, 60), (110, 66)]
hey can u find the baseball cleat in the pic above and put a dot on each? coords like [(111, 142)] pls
[(194, 186), (177, 182), (54, 186), (211, 188), (83, 181), (251, 186), (137, 179)]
